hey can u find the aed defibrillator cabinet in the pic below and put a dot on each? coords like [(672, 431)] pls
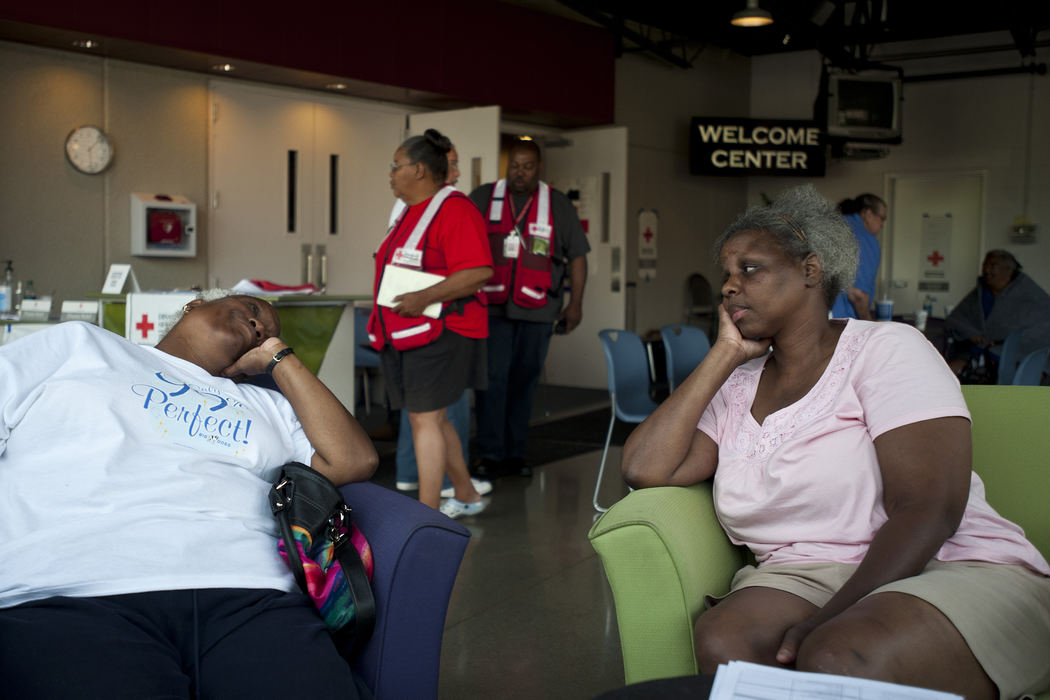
[(163, 225)]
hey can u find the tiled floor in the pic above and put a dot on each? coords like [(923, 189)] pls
[(531, 614)]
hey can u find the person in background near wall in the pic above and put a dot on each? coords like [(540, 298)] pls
[(866, 215), (1004, 300), (428, 362), (536, 241), (458, 413)]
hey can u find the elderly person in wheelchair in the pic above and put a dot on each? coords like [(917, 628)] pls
[(139, 554), (840, 456)]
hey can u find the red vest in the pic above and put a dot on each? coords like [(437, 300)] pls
[(524, 279), (404, 248)]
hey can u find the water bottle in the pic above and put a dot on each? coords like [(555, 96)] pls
[(28, 291), (927, 305), (7, 290)]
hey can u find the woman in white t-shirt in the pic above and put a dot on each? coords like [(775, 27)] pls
[(139, 553), (840, 454)]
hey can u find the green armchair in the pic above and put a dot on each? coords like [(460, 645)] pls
[(663, 548)]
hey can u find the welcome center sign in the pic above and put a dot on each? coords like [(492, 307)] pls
[(731, 146)]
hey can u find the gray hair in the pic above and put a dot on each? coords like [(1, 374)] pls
[(204, 295), (804, 222)]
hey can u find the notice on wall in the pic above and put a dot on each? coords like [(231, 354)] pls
[(585, 195), (648, 225), (935, 250), (732, 146)]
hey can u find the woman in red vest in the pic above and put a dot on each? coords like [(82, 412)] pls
[(430, 339)]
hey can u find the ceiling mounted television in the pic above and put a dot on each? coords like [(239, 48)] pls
[(864, 106)]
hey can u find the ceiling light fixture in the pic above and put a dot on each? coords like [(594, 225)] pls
[(223, 67), (751, 16), (336, 86), (86, 44)]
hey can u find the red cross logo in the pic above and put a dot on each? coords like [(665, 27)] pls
[(648, 235), (145, 326), (935, 258)]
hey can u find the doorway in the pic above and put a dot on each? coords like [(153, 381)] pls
[(936, 237)]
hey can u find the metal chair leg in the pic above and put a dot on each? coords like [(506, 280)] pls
[(605, 453)]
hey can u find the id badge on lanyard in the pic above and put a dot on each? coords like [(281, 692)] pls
[(512, 244)]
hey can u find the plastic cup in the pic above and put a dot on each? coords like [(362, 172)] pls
[(884, 310), (920, 319)]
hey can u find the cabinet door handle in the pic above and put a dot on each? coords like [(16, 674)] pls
[(333, 193), (324, 272), (307, 263), (293, 168)]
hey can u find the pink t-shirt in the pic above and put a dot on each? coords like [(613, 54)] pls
[(805, 485)]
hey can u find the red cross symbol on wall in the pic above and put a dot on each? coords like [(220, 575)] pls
[(935, 258), (145, 326), (648, 235)]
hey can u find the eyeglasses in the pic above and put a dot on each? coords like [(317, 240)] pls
[(395, 166)]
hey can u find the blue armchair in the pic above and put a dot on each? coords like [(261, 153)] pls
[(417, 554)]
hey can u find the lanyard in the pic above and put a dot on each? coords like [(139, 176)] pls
[(525, 210)]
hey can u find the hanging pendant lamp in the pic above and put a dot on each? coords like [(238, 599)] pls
[(752, 16)]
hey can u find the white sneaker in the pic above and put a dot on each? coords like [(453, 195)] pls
[(457, 509), (480, 485)]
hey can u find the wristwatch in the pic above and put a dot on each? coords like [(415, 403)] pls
[(280, 355)]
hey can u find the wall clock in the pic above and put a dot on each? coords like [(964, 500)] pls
[(89, 150)]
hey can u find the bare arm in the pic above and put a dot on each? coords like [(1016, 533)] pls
[(925, 470), (573, 311), (667, 449), (343, 451), (860, 302), (459, 284)]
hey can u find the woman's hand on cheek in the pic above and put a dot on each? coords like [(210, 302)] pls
[(729, 334), (255, 361)]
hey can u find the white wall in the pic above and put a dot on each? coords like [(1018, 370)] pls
[(655, 101), (948, 126), (63, 228)]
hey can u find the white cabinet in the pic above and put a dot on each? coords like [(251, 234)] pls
[(294, 174)]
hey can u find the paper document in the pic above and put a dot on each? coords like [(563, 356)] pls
[(399, 280), (746, 681)]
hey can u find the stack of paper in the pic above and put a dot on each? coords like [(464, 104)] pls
[(740, 680)]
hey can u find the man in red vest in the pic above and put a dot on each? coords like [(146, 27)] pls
[(539, 249)]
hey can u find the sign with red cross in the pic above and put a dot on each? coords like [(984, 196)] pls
[(935, 248), (148, 315)]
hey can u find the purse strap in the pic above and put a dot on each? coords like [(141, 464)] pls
[(360, 590), (280, 512)]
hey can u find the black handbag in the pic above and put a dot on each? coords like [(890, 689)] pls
[(328, 555)]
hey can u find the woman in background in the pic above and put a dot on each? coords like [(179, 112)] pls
[(1005, 300), (428, 362)]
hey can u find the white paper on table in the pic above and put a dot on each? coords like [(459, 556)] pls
[(399, 280), (739, 680)]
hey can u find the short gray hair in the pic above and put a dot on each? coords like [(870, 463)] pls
[(804, 222), (204, 295)]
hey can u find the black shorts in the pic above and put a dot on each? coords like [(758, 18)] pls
[(213, 642), (436, 375)]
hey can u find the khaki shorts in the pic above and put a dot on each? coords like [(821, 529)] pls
[(1002, 611)]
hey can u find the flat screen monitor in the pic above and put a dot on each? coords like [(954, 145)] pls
[(864, 107)]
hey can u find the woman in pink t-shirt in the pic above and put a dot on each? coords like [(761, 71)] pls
[(842, 460)]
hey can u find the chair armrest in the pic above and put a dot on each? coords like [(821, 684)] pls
[(663, 549), (417, 553)]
